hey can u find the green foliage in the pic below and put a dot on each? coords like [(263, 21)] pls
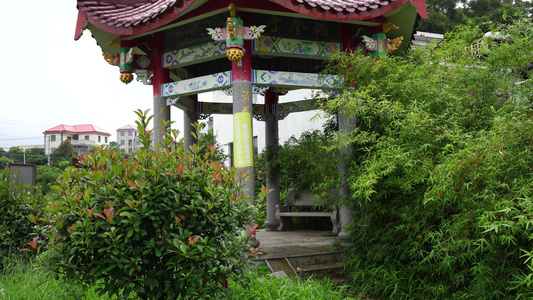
[(18, 211), (5, 161), (441, 175), (302, 163), (167, 224), (62, 156), (46, 177)]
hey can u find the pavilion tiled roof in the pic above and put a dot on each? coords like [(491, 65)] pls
[(349, 10), (127, 17), (124, 13)]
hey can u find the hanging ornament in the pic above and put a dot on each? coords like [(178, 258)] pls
[(126, 65)]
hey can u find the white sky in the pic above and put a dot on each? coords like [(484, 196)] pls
[(48, 79)]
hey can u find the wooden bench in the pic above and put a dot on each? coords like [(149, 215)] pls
[(303, 199)]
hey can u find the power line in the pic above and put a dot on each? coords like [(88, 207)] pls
[(24, 138)]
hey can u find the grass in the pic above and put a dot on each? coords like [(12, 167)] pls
[(28, 280), (266, 287)]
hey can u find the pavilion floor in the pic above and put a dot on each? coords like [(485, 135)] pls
[(279, 244), (301, 253)]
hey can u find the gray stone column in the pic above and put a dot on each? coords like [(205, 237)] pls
[(346, 125), (161, 113), (189, 118), (271, 144)]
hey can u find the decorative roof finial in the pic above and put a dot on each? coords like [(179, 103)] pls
[(232, 10)]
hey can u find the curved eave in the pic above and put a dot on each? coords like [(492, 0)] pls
[(183, 7), (152, 24), (344, 15)]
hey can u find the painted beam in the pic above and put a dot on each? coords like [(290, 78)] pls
[(279, 79), (294, 79), (197, 85), (264, 44), (295, 48), (260, 109), (194, 55)]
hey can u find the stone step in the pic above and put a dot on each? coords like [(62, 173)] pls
[(281, 265), (303, 260), (330, 269)]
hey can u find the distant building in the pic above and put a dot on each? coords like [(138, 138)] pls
[(83, 137), (421, 38), (127, 138)]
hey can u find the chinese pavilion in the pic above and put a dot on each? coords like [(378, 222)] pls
[(268, 47)]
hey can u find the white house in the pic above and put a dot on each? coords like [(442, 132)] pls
[(127, 138), (83, 137)]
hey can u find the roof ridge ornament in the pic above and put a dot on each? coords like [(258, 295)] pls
[(232, 10), (234, 34)]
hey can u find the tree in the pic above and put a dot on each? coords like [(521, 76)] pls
[(207, 140), (446, 15), (63, 153), (443, 16), (5, 161), (36, 156), (486, 12), (114, 145), (16, 155), (441, 174)]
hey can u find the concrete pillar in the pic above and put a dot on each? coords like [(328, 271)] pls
[(346, 125), (160, 77), (189, 118), (272, 144)]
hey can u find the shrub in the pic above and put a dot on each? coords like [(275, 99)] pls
[(165, 223), (18, 211)]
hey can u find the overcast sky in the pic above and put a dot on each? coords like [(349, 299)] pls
[(48, 79)]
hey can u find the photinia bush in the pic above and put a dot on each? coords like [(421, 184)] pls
[(165, 223)]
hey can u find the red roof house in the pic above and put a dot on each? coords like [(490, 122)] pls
[(82, 137)]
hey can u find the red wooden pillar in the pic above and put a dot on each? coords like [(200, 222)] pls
[(242, 119)]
